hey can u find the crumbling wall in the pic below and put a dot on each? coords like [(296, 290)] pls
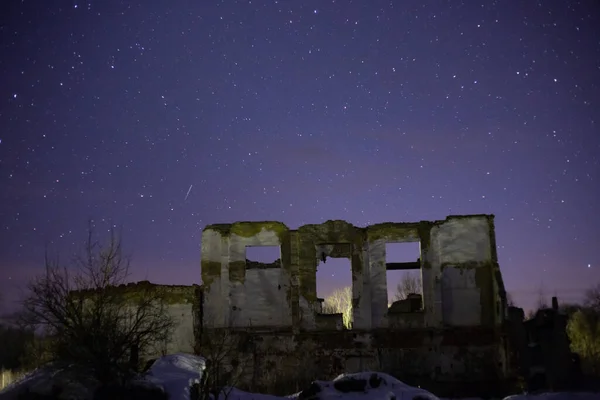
[(461, 280), (414, 356), (237, 294), (455, 334), (330, 239), (377, 236), (181, 307), (463, 261), (181, 303)]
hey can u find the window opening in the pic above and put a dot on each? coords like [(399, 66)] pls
[(334, 288), (403, 275), (263, 257)]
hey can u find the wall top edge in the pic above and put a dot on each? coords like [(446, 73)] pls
[(252, 228)]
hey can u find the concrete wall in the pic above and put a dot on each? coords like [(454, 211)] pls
[(183, 338), (258, 296), (456, 335), (181, 302), (462, 284), (376, 238), (463, 256), (416, 357), (265, 299), (236, 296), (215, 278)]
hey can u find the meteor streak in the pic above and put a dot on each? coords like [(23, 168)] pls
[(188, 193)]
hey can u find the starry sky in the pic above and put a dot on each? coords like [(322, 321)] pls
[(162, 117)]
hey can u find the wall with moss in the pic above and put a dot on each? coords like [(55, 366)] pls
[(464, 260), (181, 302), (215, 275), (183, 338), (417, 357), (390, 232), (333, 238), (455, 338), (236, 295), (460, 275)]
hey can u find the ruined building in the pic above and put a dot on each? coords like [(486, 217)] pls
[(541, 349), (453, 332), (181, 303)]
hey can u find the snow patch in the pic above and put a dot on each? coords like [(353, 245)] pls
[(365, 386), (555, 396), (42, 381), (175, 373)]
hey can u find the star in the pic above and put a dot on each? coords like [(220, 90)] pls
[(300, 115)]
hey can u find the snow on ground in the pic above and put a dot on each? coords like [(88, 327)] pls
[(41, 381), (359, 386), (10, 392), (236, 394), (367, 386), (555, 396), (175, 373)]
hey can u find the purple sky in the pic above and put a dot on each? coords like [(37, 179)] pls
[(300, 111)]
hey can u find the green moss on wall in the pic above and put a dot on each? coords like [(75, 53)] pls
[(144, 290), (466, 216), (178, 296), (329, 232), (237, 271), (393, 231), (250, 229), (223, 229), (209, 271), (410, 230), (308, 236)]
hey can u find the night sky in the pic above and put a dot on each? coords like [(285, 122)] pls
[(164, 116)]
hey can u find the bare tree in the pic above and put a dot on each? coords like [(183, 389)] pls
[(226, 355), (409, 284), (93, 325), (340, 302)]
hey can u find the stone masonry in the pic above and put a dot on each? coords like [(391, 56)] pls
[(462, 284), (456, 334)]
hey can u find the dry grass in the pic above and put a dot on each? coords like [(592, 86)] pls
[(8, 376)]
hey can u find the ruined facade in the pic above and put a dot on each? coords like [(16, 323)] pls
[(455, 333), (182, 304)]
